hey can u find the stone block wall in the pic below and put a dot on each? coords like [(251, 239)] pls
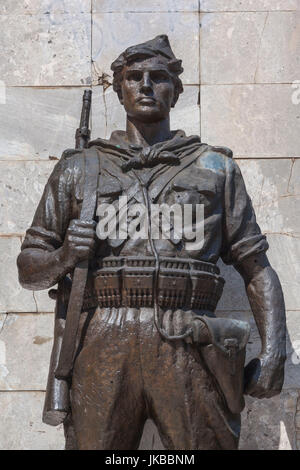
[(242, 90)]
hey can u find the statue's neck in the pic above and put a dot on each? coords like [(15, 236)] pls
[(145, 133)]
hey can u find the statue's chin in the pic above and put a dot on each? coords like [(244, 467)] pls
[(147, 112), (148, 116)]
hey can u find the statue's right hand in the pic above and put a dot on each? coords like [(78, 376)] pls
[(79, 243)]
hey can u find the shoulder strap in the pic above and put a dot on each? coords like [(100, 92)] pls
[(91, 170), (67, 353)]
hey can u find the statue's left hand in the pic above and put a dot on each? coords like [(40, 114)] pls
[(264, 376)]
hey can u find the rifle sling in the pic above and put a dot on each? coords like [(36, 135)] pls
[(66, 358)]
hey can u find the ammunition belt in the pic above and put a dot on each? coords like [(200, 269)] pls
[(182, 283)]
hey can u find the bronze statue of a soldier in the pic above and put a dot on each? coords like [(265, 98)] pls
[(141, 339)]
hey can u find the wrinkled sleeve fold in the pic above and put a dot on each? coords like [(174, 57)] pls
[(52, 216), (242, 236)]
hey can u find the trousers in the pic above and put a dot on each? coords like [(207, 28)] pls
[(125, 372)]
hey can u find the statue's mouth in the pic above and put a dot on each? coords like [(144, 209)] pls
[(147, 100)]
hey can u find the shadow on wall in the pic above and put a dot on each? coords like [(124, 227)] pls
[(267, 424)]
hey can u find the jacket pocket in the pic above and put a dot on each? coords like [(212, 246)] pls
[(192, 191)]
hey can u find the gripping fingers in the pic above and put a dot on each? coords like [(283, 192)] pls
[(82, 241), (81, 232), (84, 224), (82, 229)]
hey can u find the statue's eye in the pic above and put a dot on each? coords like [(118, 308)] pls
[(135, 76), (159, 76)]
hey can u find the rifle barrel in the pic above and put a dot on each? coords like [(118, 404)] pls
[(86, 107), (83, 133)]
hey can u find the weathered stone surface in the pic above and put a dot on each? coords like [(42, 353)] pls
[(292, 368), (25, 349), (293, 187), (229, 46), (272, 186), (30, 7), (284, 255), (2, 319), (109, 115), (250, 47), (248, 5), (186, 114), (253, 120), (22, 427), (268, 424), (150, 439), (46, 124), (45, 50), (13, 298), (182, 28), (279, 54), (275, 196), (106, 6), (21, 187), (43, 302)]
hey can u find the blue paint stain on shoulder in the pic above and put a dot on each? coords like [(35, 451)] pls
[(212, 161)]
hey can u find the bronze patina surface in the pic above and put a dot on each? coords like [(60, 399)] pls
[(136, 334)]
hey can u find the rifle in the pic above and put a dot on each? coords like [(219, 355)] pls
[(83, 133), (57, 402)]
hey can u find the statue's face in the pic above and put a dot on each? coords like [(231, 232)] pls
[(147, 90)]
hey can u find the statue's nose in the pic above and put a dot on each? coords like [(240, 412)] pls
[(146, 83)]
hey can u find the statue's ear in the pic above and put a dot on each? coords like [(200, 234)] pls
[(174, 100)]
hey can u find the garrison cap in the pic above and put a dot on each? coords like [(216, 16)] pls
[(160, 45)]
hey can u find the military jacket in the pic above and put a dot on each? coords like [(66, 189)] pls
[(203, 175)]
